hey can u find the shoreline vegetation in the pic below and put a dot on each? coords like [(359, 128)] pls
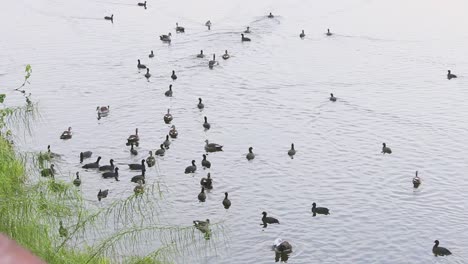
[(32, 209)]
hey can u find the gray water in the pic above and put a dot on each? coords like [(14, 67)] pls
[(386, 63)]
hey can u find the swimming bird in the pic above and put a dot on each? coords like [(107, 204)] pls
[(141, 66), (205, 163), (136, 166), (109, 17), (212, 147), (48, 171), (207, 182), (85, 155), (142, 4), (450, 75), (212, 62), (168, 117), (139, 178), (282, 246), (151, 161), (386, 149), (332, 98), (168, 93), (132, 150), (151, 55), (173, 132), (226, 201), (244, 38), (179, 29), (77, 180), (206, 125), (93, 165), (208, 24), (203, 226), (328, 32), (103, 110), (319, 210), (302, 35), (250, 155), (112, 174), (416, 181), (202, 195), (166, 38), (200, 105), (62, 231), (147, 74), (269, 220), (161, 151), (133, 138), (167, 142), (271, 15), (201, 55), (173, 76), (247, 30), (226, 55), (108, 167), (440, 251), (67, 134), (192, 168), (102, 194), (292, 151), (51, 154)]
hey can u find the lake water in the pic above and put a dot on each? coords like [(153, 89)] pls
[(386, 64)]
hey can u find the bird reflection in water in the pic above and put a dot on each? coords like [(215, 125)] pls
[(282, 250)]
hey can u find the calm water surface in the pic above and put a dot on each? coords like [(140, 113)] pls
[(386, 63)]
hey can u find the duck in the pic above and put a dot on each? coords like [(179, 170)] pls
[(166, 38), (151, 161), (77, 180), (161, 151), (139, 178), (93, 165), (203, 226), (179, 29), (136, 166), (142, 4), (416, 181), (167, 142), (385, 149), (226, 55), (319, 210), (151, 55), (109, 17), (212, 147), (51, 154), (205, 163), (85, 155), (48, 172), (450, 75), (67, 134), (212, 62), (292, 151), (168, 93), (208, 24), (247, 30), (108, 167), (102, 194), (332, 98), (139, 189), (440, 251), (168, 117), (192, 168), (200, 105), (226, 201), (133, 138), (202, 195), (62, 231), (282, 246), (250, 155), (244, 38), (271, 15), (147, 74), (173, 132), (201, 55), (103, 110), (328, 32), (269, 220), (141, 66), (207, 182), (302, 35), (132, 150), (173, 76), (206, 125), (110, 174)]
